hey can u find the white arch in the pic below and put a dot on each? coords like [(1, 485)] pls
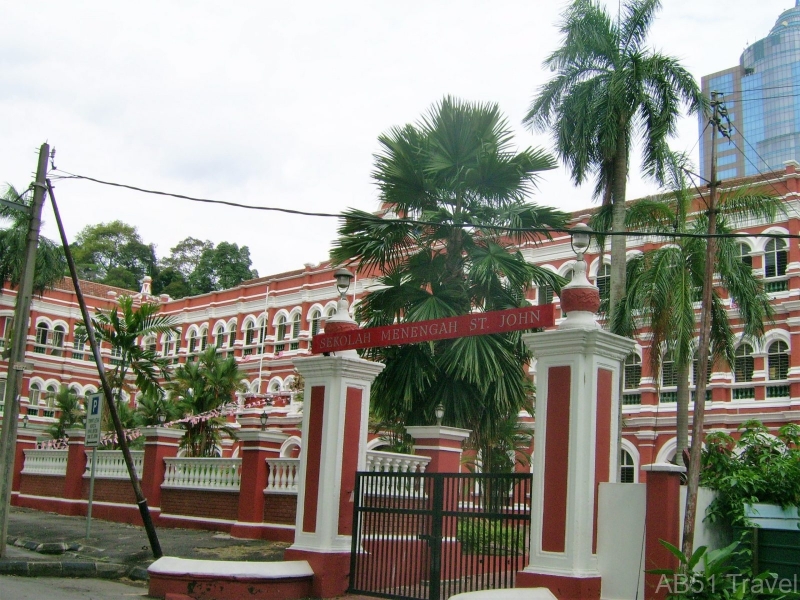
[(234, 321), (287, 383), (191, 329), (289, 444), (760, 243), (249, 319), (44, 320), (631, 449), (595, 264), (275, 384), (566, 267), (667, 452), (219, 325), (315, 306), (376, 443), (281, 313)]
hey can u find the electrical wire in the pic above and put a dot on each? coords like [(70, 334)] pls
[(378, 219)]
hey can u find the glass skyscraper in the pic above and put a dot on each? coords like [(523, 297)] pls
[(762, 97)]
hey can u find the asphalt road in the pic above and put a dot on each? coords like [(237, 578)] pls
[(59, 588)]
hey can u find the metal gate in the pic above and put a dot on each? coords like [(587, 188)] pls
[(429, 536)]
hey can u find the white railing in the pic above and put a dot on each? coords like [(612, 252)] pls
[(282, 475), (217, 474), (111, 464), (391, 462), (45, 462)]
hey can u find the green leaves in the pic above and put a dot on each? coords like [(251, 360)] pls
[(457, 171)]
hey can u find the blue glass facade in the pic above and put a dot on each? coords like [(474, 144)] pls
[(762, 96)]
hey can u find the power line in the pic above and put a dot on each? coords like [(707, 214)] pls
[(546, 231)]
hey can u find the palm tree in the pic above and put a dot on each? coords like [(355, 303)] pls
[(664, 285), (153, 405), (609, 89), (70, 413), (123, 328), (203, 386), (451, 185), (50, 262)]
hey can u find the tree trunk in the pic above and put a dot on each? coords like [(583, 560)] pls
[(618, 245), (682, 412)]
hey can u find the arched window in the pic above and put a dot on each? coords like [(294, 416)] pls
[(295, 344), (545, 294), (669, 374), (696, 368), (633, 371), (203, 338), (170, 347), (79, 345), (778, 360), (627, 467), (316, 317), (775, 258), (34, 394), (231, 334), (249, 338), (330, 312), (280, 333), (149, 343), (219, 336), (57, 342), (744, 254), (42, 331), (603, 280), (192, 341), (743, 365)]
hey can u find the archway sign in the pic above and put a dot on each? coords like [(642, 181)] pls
[(499, 321)]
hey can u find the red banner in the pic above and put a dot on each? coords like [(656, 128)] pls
[(500, 321)]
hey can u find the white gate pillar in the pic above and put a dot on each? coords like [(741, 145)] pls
[(575, 442), (335, 423)]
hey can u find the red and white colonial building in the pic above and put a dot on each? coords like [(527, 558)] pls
[(267, 322)]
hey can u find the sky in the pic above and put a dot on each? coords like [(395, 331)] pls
[(281, 103)]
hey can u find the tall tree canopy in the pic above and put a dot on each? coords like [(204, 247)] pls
[(50, 261), (609, 89), (457, 171), (113, 253), (222, 267)]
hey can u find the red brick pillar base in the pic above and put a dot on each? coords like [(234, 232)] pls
[(76, 467), (159, 443), (26, 440)]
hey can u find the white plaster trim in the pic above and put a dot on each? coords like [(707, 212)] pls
[(439, 448), (194, 519), (263, 525), (429, 432), (663, 468), (169, 565)]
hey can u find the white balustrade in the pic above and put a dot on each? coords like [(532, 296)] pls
[(45, 462), (111, 464), (392, 462), (217, 474), (282, 475)]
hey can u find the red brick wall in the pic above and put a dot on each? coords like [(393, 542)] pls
[(199, 503), (280, 508), (119, 491), (42, 485)]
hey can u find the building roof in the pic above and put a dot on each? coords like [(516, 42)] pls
[(91, 288)]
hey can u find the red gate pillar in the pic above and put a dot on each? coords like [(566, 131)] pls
[(662, 522), (76, 467), (257, 447), (26, 440), (335, 413), (575, 443), (159, 443), (443, 445)]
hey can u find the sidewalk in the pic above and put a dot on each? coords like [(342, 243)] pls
[(50, 545)]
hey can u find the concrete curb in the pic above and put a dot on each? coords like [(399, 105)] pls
[(69, 567)]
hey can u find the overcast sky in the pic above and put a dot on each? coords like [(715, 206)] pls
[(280, 103)]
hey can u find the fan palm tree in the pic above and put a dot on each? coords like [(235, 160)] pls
[(664, 285), (50, 261), (154, 404), (451, 185), (609, 89), (203, 386)]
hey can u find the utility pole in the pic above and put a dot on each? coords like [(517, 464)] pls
[(16, 360), (704, 343)]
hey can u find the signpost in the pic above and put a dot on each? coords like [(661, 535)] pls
[(479, 323), (94, 435)]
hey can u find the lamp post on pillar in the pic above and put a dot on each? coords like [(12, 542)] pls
[(575, 443), (335, 416)]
